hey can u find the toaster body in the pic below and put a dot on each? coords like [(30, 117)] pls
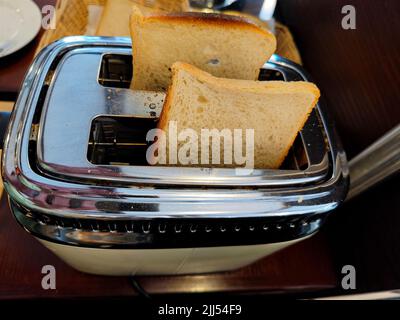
[(75, 173)]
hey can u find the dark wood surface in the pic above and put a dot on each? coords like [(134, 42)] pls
[(358, 73), (304, 267), (357, 70), (365, 233)]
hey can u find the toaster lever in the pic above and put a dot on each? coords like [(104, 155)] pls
[(4, 118)]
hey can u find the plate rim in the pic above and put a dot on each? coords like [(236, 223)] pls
[(33, 24)]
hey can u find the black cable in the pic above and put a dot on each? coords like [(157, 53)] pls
[(139, 289)]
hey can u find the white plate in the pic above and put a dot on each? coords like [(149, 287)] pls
[(20, 22)]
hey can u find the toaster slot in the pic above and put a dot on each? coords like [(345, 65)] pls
[(116, 71), (104, 128), (121, 140), (270, 75)]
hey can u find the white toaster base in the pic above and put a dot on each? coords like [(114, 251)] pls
[(126, 262)]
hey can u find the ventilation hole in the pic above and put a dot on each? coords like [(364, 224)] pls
[(162, 228), (178, 228), (93, 228), (113, 227), (146, 228)]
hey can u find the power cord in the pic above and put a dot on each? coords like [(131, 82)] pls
[(139, 289)]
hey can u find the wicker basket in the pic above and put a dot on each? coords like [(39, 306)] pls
[(72, 19)]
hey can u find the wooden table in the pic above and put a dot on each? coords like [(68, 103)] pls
[(304, 267), (4, 107), (357, 73), (356, 70)]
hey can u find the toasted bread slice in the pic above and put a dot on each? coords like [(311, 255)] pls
[(115, 17), (223, 45), (276, 110)]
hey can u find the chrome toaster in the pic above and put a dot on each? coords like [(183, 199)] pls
[(76, 177)]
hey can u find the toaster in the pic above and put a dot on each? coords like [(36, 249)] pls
[(76, 176)]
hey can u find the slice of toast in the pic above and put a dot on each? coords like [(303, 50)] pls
[(223, 45), (276, 110), (115, 17)]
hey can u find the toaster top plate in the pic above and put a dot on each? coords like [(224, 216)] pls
[(91, 128), (55, 167)]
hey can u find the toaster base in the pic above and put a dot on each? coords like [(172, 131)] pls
[(176, 261)]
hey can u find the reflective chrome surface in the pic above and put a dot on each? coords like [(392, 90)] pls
[(376, 163), (52, 203), (71, 106)]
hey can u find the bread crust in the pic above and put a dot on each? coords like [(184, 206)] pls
[(250, 85), (303, 122), (163, 122), (230, 83), (214, 19), (141, 21)]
